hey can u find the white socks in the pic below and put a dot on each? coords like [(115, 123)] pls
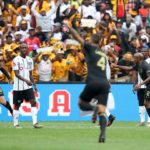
[(148, 120), (107, 112), (15, 117), (34, 114), (142, 111)]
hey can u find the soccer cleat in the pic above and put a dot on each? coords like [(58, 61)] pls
[(102, 138), (141, 124), (17, 126), (36, 125), (111, 119)]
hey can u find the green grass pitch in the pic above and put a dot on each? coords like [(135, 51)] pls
[(73, 136)]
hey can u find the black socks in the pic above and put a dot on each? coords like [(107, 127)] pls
[(102, 122), (8, 107)]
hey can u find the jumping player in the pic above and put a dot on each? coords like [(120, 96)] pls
[(97, 85), (3, 101)]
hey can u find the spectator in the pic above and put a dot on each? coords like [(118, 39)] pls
[(60, 68), (45, 67), (129, 28), (32, 41), (60, 10), (86, 10), (43, 19), (24, 30), (57, 31), (24, 16)]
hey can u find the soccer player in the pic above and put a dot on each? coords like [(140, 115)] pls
[(110, 102), (3, 101), (23, 81), (97, 85), (141, 91), (143, 68)]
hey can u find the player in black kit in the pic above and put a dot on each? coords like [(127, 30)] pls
[(144, 70), (2, 98), (97, 85)]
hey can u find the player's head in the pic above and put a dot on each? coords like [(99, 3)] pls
[(95, 38), (138, 57), (23, 49)]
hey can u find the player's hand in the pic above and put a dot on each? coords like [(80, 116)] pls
[(137, 87), (10, 81), (113, 65), (35, 88), (28, 82)]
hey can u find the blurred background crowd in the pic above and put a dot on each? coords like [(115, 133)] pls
[(123, 25)]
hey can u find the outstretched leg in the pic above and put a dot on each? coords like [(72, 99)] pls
[(6, 104), (102, 122)]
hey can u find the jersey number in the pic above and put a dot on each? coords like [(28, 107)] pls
[(101, 63)]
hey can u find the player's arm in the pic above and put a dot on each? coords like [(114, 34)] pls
[(147, 80), (22, 78), (75, 34), (126, 68), (32, 80), (134, 77), (5, 73)]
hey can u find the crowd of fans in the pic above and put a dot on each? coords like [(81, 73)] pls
[(123, 25)]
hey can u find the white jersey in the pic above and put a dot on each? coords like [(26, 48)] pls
[(24, 65), (108, 71)]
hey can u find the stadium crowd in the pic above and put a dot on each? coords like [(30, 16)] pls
[(123, 25)]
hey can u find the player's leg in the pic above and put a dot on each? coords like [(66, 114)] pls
[(142, 110), (102, 98), (111, 118), (85, 99), (147, 100), (6, 104), (17, 100), (29, 96), (84, 105), (102, 122)]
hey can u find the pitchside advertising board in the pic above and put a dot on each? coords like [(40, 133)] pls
[(59, 102)]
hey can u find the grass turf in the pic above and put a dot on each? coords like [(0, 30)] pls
[(73, 136)]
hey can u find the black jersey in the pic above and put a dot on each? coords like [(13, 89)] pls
[(96, 62), (143, 70)]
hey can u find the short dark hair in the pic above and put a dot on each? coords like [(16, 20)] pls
[(95, 38), (9, 35)]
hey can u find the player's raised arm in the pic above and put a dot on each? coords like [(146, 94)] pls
[(5, 73), (74, 33)]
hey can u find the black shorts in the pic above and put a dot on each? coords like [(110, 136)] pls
[(147, 93), (141, 96), (1, 92), (19, 96), (96, 90)]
